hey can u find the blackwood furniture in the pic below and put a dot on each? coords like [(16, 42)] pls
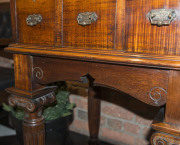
[(133, 46)]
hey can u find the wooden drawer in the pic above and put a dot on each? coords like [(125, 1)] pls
[(120, 25), (42, 33), (99, 34), (143, 37)]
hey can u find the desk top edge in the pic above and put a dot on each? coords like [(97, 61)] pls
[(107, 56)]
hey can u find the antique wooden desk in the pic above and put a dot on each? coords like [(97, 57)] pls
[(133, 46)]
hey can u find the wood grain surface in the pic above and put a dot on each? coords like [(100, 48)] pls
[(121, 50), (99, 34), (43, 33), (142, 37), (133, 59), (121, 25), (134, 81)]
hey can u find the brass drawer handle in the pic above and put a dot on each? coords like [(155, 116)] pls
[(161, 17), (86, 18), (33, 20)]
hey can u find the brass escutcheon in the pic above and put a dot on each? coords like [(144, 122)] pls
[(86, 18), (161, 17), (33, 20)]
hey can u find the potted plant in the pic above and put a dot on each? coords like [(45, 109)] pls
[(57, 119)]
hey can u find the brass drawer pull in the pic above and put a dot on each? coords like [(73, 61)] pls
[(86, 18), (161, 17), (33, 20)]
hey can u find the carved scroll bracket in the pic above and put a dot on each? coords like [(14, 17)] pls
[(164, 139), (158, 95), (38, 73), (31, 105)]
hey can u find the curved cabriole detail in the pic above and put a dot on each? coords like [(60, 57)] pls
[(145, 88)]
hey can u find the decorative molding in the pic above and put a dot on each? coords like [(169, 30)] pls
[(38, 72), (159, 140), (21, 102), (157, 93), (31, 105), (164, 139), (108, 56)]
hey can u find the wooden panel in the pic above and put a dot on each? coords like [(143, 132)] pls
[(43, 33), (173, 100), (99, 34), (120, 24), (142, 37), (23, 73), (134, 81), (23, 76), (58, 22)]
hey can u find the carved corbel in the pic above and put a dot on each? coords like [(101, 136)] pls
[(159, 138), (31, 105)]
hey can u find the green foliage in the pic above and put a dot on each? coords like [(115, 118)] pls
[(61, 108), (17, 112)]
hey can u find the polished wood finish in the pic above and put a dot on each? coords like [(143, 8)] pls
[(121, 50), (164, 139), (132, 59), (142, 37), (94, 109), (40, 34), (160, 125), (23, 75), (33, 128), (99, 34), (33, 121), (30, 96), (114, 76), (173, 100)]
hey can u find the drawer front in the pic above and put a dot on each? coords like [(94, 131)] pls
[(99, 34), (143, 35), (41, 32)]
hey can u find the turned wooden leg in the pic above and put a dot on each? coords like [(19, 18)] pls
[(31, 97), (168, 127), (94, 106), (33, 128), (33, 121)]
